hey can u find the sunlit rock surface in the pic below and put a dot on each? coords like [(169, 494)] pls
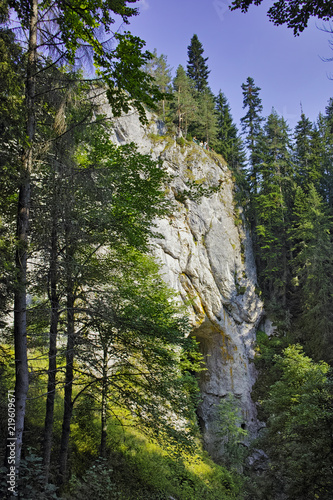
[(207, 258)]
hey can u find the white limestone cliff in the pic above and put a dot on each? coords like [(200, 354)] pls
[(207, 257)]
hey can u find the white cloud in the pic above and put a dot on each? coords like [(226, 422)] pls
[(221, 7), (143, 5)]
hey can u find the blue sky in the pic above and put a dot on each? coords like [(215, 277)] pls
[(288, 69)]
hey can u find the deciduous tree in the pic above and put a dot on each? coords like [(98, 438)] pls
[(295, 14)]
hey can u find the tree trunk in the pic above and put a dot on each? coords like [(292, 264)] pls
[(20, 318), (52, 371), (20, 297), (68, 404), (70, 301), (104, 404)]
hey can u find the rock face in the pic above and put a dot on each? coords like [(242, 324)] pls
[(207, 257)]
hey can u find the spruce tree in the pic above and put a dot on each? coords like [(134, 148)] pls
[(307, 158), (298, 432), (197, 68), (324, 126), (226, 129), (206, 122), (272, 210), (228, 143), (251, 126), (184, 105), (312, 266), (160, 71)]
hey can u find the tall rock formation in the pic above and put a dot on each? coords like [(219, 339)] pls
[(207, 258)]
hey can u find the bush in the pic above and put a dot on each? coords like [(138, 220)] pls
[(181, 141), (31, 485), (95, 484)]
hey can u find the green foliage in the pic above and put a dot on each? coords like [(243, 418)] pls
[(96, 483), (229, 144), (7, 381), (142, 468), (121, 67), (205, 125), (228, 422), (306, 153), (197, 68), (312, 270), (226, 143), (294, 14), (270, 205), (298, 437), (180, 141), (184, 106), (93, 209), (135, 326), (136, 467), (251, 126), (130, 185), (128, 84), (31, 482), (7, 272), (11, 135), (267, 348), (195, 190), (158, 68), (324, 151)]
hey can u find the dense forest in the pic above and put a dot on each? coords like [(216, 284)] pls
[(98, 365)]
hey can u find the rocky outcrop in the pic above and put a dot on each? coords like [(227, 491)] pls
[(207, 257)]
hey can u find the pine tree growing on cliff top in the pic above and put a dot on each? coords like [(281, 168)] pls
[(197, 68), (184, 106), (251, 125)]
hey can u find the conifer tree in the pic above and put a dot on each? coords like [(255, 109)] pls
[(324, 127), (184, 105), (312, 265), (160, 71), (307, 158), (251, 126), (226, 129), (272, 209), (228, 143), (295, 14), (298, 435), (206, 123), (197, 68)]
